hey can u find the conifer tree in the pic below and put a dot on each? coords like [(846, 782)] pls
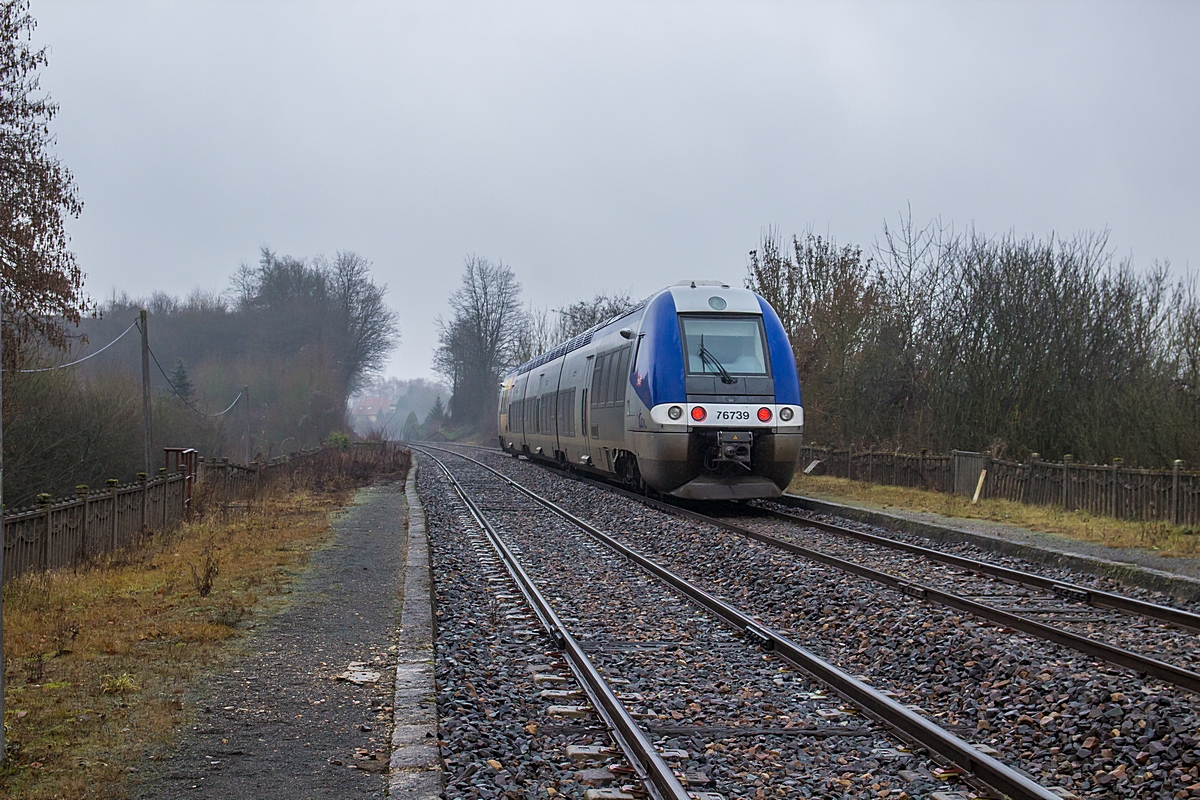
[(181, 381), (436, 415)]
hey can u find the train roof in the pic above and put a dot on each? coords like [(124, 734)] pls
[(689, 296)]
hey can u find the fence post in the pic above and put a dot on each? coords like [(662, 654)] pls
[(145, 479), (113, 483), (82, 490), (1175, 491), (1029, 478), (921, 468), (1116, 487), (850, 461), (44, 545), (1066, 479), (165, 481)]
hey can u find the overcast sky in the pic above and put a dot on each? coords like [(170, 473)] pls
[(606, 145)]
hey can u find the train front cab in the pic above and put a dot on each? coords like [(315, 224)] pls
[(694, 415)]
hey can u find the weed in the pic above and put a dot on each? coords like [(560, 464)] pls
[(118, 684), (35, 668), (210, 567)]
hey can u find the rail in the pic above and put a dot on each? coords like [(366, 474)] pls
[(1093, 597), (995, 774), (649, 766)]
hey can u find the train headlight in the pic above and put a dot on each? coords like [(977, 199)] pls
[(698, 413), (764, 414), (674, 412), (786, 414)]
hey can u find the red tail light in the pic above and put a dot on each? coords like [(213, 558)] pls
[(764, 414), (698, 413)]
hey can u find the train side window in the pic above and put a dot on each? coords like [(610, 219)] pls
[(600, 399), (567, 407), (610, 379), (597, 377), (622, 377), (637, 355)]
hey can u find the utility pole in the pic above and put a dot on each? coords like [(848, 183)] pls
[(246, 397), (2, 744), (148, 430)]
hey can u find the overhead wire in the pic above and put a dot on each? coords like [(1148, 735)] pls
[(160, 369), (186, 402), (85, 358)]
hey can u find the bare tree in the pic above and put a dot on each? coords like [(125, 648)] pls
[(481, 339), (581, 315), (538, 334)]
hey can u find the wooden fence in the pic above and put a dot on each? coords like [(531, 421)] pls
[(65, 531), (921, 471), (1114, 490)]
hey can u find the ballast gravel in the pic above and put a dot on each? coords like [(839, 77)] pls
[(1064, 718), (1149, 637), (729, 718)]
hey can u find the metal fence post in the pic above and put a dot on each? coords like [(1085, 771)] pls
[(113, 483)]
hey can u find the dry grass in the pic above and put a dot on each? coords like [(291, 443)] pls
[(99, 660), (1166, 539)]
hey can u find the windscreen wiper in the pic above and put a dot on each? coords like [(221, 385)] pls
[(706, 358)]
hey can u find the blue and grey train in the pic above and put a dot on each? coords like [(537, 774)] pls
[(693, 393)]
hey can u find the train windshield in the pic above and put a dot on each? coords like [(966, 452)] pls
[(724, 345)]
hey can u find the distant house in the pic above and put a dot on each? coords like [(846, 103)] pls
[(367, 413)]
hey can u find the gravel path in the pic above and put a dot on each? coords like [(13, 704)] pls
[(277, 724), (1062, 717)]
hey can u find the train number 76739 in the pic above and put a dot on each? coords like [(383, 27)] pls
[(733, 414)]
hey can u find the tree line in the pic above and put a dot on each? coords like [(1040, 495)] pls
[(935, 338), (303, 334)]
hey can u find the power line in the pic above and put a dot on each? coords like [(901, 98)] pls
[(85, 358), (184, 399)]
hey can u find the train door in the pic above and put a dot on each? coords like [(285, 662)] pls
[(585, 420), (516, 412)]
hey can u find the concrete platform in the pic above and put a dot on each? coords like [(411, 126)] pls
[(415, 771)]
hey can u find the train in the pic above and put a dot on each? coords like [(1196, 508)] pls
[(693, 393)]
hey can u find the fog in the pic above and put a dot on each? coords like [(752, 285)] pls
[(607, 146)]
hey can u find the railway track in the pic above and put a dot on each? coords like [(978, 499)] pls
[(572, 545), (1134, 726), (1149, 638)]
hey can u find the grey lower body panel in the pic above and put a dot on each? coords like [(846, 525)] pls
[(674, 463), (719, 487)]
